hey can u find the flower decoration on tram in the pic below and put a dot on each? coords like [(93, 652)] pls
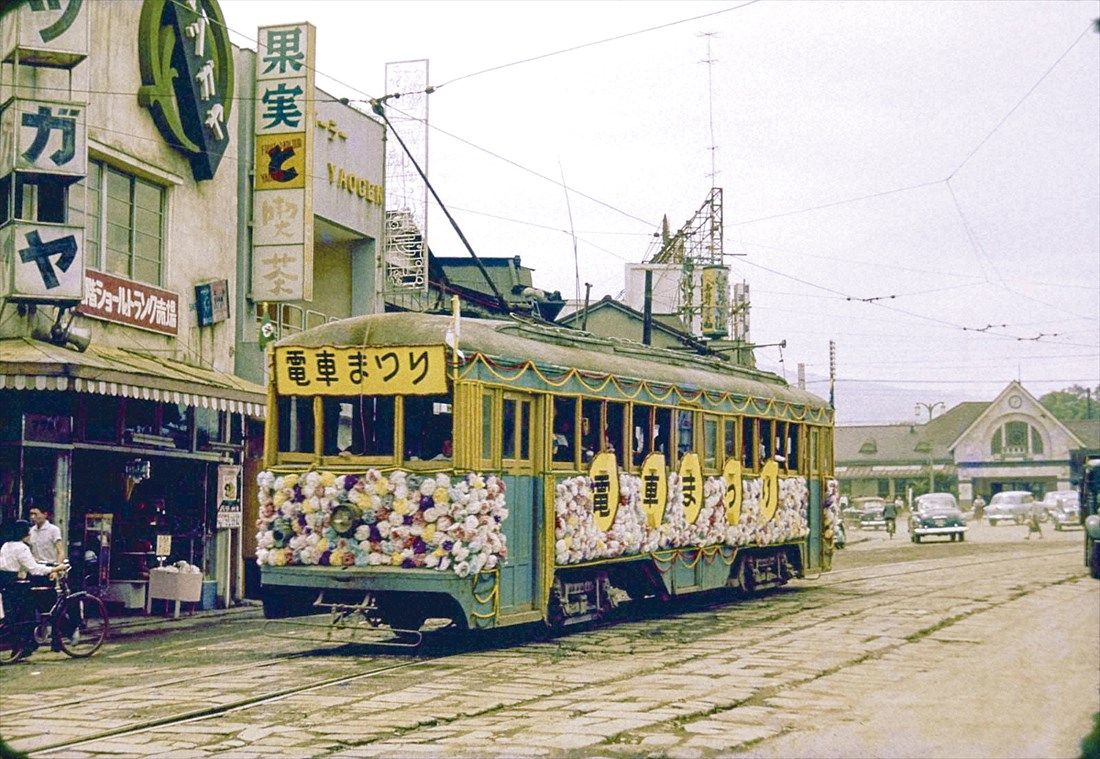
[(370, 519)]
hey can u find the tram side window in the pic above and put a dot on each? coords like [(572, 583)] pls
[(748, 443), (358, 425), (685, 432), (662, 430), (428, 427), (295, 424), (614, 431), (508, 424), (766, 440), (590, 426), (486, 426), (793, 462), (710, 442), (641, 442), (729, 438), (516, 429), (564, 441)]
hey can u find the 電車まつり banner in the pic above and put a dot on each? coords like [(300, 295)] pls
[(357, 370)]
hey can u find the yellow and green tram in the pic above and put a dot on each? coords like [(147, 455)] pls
[(499, 472)]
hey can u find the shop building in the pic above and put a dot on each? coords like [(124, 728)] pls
[(191, 200), (119, 224)]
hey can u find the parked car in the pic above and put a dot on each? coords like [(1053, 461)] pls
[(936, 514), (870, 512), (1010, 506), (850, 512), (1063, 507)]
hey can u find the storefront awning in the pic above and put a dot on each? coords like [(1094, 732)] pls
[(28, 364), (886, 471)]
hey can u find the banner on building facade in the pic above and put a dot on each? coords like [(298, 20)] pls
[(282, 223), (124, 301)]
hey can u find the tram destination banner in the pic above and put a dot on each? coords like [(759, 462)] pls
[(357, 370)]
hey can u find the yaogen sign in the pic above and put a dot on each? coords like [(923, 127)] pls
[(123, 301)]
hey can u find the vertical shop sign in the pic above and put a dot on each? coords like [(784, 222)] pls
[(44, 137), (45, 32), (229, 502), (282, 224), (186, 63)]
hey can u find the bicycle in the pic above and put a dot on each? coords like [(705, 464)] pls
[(891, 527), (77, 624)]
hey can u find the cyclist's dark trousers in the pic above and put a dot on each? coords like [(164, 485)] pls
[(18, 607)]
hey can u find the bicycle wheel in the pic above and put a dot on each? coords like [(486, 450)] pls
[(81, 625)]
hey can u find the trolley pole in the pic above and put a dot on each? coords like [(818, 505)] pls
[(931, 409)]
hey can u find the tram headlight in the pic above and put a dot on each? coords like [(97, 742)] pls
[(343, 520)]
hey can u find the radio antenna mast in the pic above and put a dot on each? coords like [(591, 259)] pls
[(710, 61)]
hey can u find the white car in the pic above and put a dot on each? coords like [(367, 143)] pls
[(1010, 506), (1063, 509)]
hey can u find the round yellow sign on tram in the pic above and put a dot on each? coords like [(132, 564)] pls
[(735, 491), (691, 483), (769, 490), (604, 478), (654, 489)]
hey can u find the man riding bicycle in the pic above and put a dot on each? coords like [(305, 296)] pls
[(16, 562), (890, 516)]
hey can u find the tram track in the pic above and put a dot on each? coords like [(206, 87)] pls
[(214, 711), (244, 703)]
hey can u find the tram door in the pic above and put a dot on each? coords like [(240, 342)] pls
[(519, 575)]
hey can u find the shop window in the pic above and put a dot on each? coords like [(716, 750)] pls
[(642, 438), (124, 223), (360, 425), (140, 418), (208, 427), (563, 443), (428, 427), (615, 430), (883, 488), (236, 424), (100, 419), (748, 443), (662, 430), (175, 423), (710, 442), (295, 424), (590, 425)]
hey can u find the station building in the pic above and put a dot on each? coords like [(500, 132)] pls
[(168, 201), (975, 448)]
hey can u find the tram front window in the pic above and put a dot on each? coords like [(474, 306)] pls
[(358, 425), (428, 427), (296, 424)]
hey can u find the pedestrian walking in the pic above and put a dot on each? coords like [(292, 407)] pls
[(1033, 525), (979, 508), (45, 537)]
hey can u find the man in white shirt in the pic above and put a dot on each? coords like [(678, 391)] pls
[(17, 561), (45, 538)]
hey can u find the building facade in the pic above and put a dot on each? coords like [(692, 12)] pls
[(974, 448), (142, 260)]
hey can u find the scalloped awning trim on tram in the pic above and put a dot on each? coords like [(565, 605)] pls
[(27, 364), (560, 349)]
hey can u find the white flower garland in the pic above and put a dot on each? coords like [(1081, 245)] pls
[(578, 539), (399, 520)]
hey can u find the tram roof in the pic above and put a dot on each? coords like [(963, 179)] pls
[(558, 347)]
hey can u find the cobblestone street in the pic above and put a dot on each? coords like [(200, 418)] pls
[(904, 650)]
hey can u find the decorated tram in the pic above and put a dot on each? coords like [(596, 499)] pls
[(500, 472)]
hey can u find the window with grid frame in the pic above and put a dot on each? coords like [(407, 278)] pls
[(124, 223)]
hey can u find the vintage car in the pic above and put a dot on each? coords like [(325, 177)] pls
[(1063, 508), (936, 514), (1010, 506), (870, 512)]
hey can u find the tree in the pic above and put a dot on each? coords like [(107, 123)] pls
[(1073, 403)]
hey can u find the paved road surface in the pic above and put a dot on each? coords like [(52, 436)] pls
[(983, 648)]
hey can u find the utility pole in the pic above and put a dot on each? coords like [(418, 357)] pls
[(931, 409), (832, 374)]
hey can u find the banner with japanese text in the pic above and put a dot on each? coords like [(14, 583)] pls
[(282, 223), (327, 370), (123, 301)]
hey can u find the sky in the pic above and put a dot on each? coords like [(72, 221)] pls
[(917, 181)]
